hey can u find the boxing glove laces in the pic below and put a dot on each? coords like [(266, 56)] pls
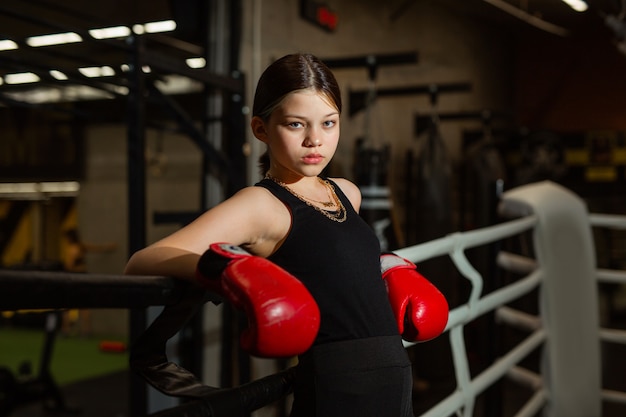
[(421, 310), (283, 318)]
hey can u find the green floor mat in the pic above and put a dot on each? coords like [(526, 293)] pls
[(73, 358)]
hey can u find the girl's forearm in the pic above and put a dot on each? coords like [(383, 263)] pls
[(163, 261)]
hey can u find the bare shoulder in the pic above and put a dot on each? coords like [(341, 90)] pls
[(255, 205), (252, 218), (263, 215), (253, 193), (351, 191)]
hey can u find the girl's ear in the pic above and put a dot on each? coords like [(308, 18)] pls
[(258, 129)]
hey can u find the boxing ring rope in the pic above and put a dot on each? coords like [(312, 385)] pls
[(455, 245), (555, 400), (612, 277), (562, 269), (30, 290), (48, 290)]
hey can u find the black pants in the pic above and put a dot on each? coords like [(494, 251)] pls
[(366, 377)]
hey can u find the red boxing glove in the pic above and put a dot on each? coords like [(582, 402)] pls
[(283, 317), (420, 308)]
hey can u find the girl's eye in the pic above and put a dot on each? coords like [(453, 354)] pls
[(329, 123), (295, 124)]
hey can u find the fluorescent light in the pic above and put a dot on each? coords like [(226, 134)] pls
[(120, 89), (58, 75), (7, 45), (107, 71), (161, 26), (146, 69), (578, 5), (110, 32), (53, 39), (37, 189), (21, 78), (196, 62), (139, 29), (155, 27), (92, 72)]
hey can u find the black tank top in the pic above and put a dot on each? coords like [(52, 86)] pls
[(339, 264)]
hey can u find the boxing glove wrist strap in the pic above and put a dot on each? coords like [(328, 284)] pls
[(389, 261), (213, 262)]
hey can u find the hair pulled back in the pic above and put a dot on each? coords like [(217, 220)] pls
[(291, 73)]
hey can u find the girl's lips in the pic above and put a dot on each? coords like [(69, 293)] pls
[(313, 158)]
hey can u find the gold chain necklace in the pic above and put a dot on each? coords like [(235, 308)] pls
[(337, 216)]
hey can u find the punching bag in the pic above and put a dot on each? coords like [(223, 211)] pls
[(543, 158), (429, 216), (429, 213), (483, 179)]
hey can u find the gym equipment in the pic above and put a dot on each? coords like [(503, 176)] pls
[(429, 201), (543, 158), (26, 388)]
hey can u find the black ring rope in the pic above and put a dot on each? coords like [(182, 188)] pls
[(24, 290)]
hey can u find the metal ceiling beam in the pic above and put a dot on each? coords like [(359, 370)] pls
[(73, 76)]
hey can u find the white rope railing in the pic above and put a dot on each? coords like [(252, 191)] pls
[(466, 240), (544, 394), (455, 245), (462, 400), (613, 222)]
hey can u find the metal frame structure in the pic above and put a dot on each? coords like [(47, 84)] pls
[(137, 90)]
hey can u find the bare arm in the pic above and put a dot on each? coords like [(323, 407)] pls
[(252, 218), (163, 260)]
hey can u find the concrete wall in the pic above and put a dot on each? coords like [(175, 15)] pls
[(452, 48)]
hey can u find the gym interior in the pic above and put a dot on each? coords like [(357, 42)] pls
[(138, 121)]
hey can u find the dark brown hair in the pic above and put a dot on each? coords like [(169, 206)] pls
[(288, 74)]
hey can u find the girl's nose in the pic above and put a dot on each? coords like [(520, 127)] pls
[(312, 138)]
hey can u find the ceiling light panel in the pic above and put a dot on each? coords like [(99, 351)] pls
[(58, 75), (161, 26), (92, 72), (7, 45), (110, 32), (21, 78), (53, 39), (578, 5)]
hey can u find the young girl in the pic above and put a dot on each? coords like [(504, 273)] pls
[(310, 227)]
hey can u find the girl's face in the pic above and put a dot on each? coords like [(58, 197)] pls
[(302, 134)]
